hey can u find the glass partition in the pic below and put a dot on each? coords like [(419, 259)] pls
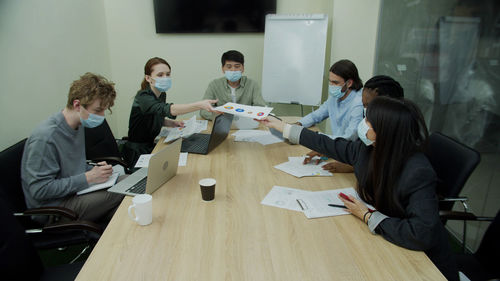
[(446, 55)]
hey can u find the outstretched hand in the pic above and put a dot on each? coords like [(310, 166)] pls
[(272, 122), (207, 105)]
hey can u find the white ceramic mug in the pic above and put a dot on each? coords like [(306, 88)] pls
[(143, 206)]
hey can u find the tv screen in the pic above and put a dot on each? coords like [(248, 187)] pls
[(211, 16)]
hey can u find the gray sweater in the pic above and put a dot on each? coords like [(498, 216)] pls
[(53, 164)]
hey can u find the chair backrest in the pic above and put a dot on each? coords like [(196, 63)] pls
[(453, 162), (11, 190), (488, 253), (100, 142)]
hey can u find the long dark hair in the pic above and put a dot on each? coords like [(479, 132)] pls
[(148, 68), (400, 133), (347, 70)]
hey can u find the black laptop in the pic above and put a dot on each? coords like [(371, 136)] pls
[(204, 143)]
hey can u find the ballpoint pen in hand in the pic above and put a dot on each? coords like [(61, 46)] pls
[(94, 164), (348, 199), (337, 206), (274, 116)]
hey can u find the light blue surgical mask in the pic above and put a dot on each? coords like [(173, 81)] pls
[(336, 91), (163, 83), (232, 76), (364, 112), (93, 121), (363, 128)]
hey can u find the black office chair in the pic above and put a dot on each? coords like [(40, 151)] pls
[(56, 234), (453, 163), (19, 259), (483, 264), (101, 145)]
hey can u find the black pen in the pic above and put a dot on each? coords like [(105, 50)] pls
[(300, 204), (337, 206), (94, 164), (275, 116)]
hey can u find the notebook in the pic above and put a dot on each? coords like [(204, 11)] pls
[(161, 168), (204, 143), (110, 182)]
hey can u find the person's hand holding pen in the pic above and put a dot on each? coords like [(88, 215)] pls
[(99, 173), (311, 155), (272, 121), (355, 207)]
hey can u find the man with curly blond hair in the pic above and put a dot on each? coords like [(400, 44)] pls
[(53, 167)]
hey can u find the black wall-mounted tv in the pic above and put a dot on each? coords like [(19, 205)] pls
[(212, 16)]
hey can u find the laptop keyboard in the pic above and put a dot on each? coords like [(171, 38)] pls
[(196, 145), (139, 187)]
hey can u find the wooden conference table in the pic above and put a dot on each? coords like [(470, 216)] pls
[(235, 237)]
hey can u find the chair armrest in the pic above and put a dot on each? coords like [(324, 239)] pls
[(463, 216), (74, 225), (453, 199), (111, 159), (50, 211), (452, 215)]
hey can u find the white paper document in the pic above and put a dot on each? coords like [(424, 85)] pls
[(260, 136), (109, 183), (184, 132), (315, 204), (284, 197), (191, 126), (255, 112), (295, 167), (183, 158), (201, 125), (143, 161)]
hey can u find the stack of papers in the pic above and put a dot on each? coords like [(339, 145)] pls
[(314, 204), (191, 126), (255, 112), (260, 136), (295, 167)]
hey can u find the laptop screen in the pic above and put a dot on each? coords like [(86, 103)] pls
[(220, 130)]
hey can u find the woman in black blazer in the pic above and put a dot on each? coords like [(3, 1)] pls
[(393, 174)]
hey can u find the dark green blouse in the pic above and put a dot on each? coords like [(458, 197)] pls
[(147, 116)]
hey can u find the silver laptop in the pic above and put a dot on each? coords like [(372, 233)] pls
[(162, 167)]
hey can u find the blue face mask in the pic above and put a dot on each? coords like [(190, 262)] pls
[(336, 91), (93, 121), (363, 128), (163, 83), (232, 76)]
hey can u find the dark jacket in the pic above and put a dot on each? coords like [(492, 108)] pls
[(146, 119), (420, 228)]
